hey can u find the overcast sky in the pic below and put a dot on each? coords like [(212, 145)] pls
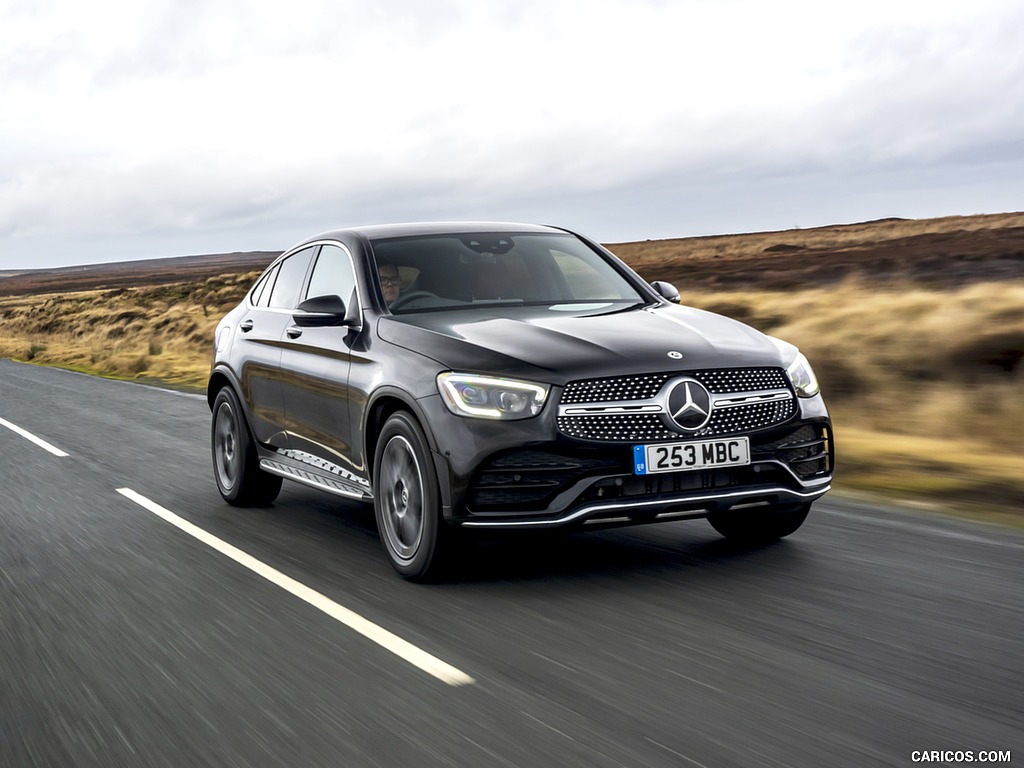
[(135, 129)]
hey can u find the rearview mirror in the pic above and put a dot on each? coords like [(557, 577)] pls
[(319, 311), (666, 290)]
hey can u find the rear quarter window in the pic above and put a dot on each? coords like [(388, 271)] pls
[(260, 294)]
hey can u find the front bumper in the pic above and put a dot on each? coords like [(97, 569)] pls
[(546, 489), (690, 505), (525, 475)]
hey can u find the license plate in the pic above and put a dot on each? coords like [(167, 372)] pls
[(683, 457)]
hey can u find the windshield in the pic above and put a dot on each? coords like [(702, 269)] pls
[(443, 272)]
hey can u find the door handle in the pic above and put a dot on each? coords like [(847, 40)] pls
[(245, 326), (294, 332)]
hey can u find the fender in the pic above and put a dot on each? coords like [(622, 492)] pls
[(220, 370), (223, 371), (371, 427)]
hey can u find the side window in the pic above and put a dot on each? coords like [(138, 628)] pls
[(332, 275), (261, 293), (285, 293)]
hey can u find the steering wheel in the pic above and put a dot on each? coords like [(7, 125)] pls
[(401, 301)]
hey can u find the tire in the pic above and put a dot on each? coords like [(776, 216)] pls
[(406, 500), (236, 466), (760, 525)]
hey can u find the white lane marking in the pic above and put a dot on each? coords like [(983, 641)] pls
[(387, 640), (32, 438)]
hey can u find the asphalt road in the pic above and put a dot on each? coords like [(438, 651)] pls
[(125, 640)]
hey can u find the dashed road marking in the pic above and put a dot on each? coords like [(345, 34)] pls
[(32, 438), (389, 641)]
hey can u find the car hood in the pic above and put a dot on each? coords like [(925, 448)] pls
[(556, 347)]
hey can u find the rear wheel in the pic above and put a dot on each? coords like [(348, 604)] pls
[(760, 525), (406, 499), (236, 466)]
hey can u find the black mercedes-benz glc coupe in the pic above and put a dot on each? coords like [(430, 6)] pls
[(507, 376)]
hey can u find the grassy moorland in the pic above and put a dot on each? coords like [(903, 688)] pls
[(925, 386), (154, 333), (915, 328)]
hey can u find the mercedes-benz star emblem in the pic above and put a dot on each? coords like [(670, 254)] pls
[(689, 404)]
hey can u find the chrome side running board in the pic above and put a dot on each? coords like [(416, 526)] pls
[(336, 485)]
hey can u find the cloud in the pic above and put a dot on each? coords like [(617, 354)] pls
[(133, 120)]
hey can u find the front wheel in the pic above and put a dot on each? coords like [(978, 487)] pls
[(406, 499), (760, 525), (236, 467)]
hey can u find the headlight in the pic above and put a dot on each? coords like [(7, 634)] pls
[(802, 376), (490, 397)]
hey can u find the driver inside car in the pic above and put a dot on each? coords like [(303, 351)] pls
[(390, 282)]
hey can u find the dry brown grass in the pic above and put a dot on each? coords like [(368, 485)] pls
[(158, 333), (915, 328), (960, 476), (935, 252), (781, 244), (946, 364), (926, 387)]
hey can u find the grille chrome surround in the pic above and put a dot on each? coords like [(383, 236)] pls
[(646, 386), (635, 408)]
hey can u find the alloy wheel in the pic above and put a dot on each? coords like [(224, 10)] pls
[(401, 488), (226, 446)]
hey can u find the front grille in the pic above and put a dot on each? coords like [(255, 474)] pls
[(614, 389), (645, 386), (648, 427), (640, 427), (654, 427), (742, 379), (746, 418)]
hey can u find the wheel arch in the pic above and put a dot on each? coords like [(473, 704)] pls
[(383, 403), (218, 380)]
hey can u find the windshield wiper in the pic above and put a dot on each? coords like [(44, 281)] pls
[(627, 308), (496, 302)]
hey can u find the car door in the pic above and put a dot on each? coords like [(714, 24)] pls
[(315, 364), (261, 330)]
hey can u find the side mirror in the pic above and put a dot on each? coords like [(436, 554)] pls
[(320, 311), (666, 290)]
